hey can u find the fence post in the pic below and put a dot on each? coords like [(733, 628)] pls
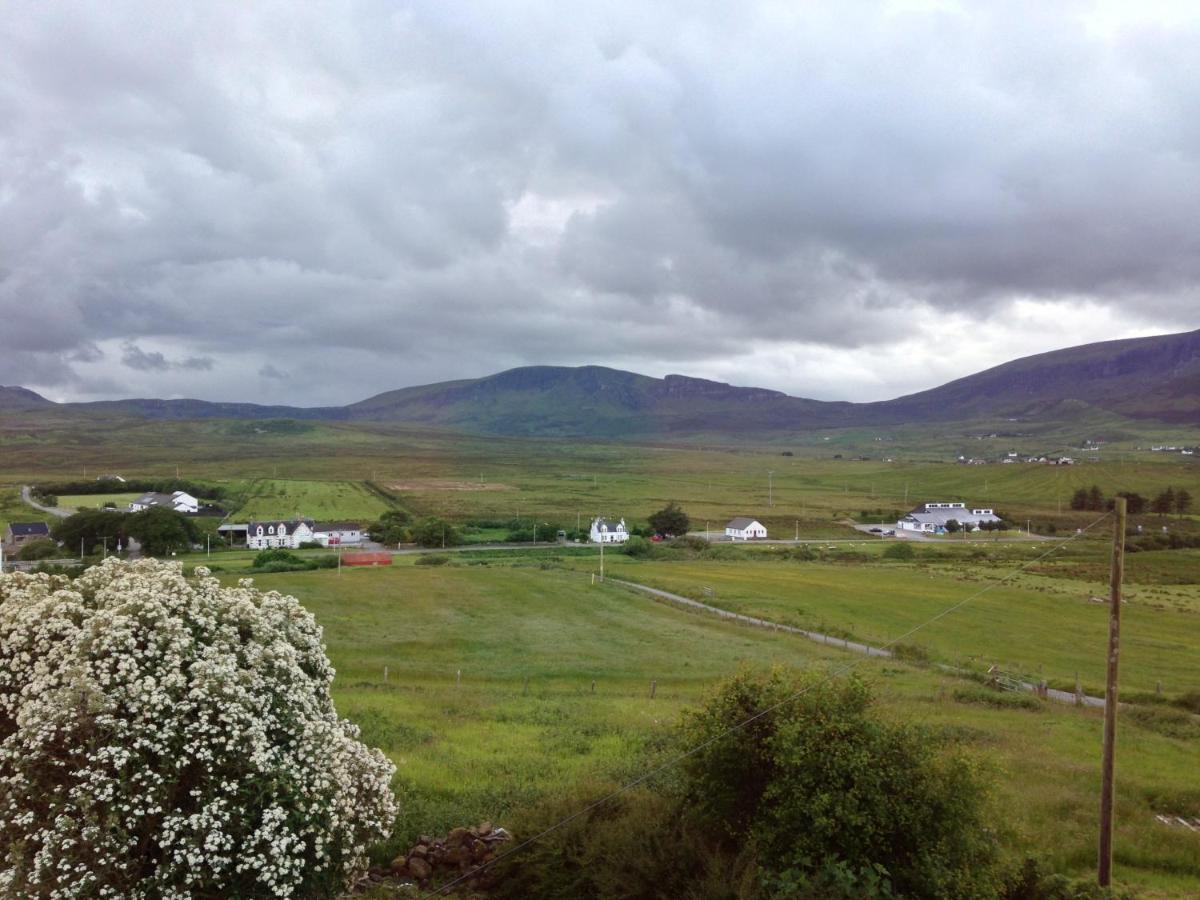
[(1078, 691), (653, 688), (385, 674), (458, 679), (593, 686)]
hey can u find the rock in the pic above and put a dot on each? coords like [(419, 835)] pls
[(420, 850), (400, 865), (419, 868), (484, 829), (455, 837)]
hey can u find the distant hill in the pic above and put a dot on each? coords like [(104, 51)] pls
[(1152, 378), (14, 398)]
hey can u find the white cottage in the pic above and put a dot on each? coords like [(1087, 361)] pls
[(338, 534), (743, 529), (606, 531), (290, 534)]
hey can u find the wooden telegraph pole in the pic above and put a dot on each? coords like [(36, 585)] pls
[(1104, 867)]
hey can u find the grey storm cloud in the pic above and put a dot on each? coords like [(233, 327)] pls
[(420, 190)]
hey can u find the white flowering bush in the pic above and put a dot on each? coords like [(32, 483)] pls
[(163, 736)]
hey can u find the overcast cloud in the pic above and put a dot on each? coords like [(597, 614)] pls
[(312, 203)]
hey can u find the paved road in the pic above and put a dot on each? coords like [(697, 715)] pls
[(829, 640), (993, 538), (27, 496)]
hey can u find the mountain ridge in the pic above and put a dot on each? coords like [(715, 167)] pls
[(1150, 378)]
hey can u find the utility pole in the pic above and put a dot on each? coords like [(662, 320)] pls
[(797, 531), (1104, 867), (602, 557), (771, 488)]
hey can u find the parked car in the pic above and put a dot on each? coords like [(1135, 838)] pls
[(876, 531), (657, 538)]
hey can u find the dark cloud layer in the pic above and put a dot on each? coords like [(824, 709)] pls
[(293, 204)]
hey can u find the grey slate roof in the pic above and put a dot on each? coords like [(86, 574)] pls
[(741, 523), (29, 529)]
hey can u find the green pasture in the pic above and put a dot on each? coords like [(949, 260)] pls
[(461, 642), (275, 498), (1032, 623), (97, 501)]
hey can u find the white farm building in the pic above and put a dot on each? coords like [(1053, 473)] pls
[(179, 501), (291, 534), (744, 529), (606, 531), (931, 518)]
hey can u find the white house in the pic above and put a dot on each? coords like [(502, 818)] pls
[(179, 501), (743, 529), (337, 534), (606, 531), (290, 534), (931, 518)]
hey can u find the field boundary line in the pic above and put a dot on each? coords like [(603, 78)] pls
[(829, 676)]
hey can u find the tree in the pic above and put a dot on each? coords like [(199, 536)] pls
[(91, 528), (1164, 503), (391, 528), (1079, 500), (435, 532), (953, 526), (670, 521), (1183, 502), (837, 800), (1095, 498), (1135, 504), (161, 531), (172, 737)]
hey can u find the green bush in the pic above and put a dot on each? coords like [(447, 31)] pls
[(42, 548), (986, 696), (275, 555), (636, 546), (1165, 720), (432, 559), (435, 532), (900, 550), (838, 802)]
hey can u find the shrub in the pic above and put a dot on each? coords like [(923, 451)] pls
[(42, 548), (636, 546), (986, 696), (837, 801), (265, 558), (900, 550), (432, 559), (434, 532), (161, 736)]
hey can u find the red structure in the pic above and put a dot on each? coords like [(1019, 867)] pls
[(366, 559)]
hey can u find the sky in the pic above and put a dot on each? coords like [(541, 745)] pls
[(313, 203)]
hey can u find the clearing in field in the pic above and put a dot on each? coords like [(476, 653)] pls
[(429, 485), (97, 501)]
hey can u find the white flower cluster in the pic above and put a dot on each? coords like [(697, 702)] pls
[(168, 737)]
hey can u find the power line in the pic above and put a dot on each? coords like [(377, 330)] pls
[(829, 676)]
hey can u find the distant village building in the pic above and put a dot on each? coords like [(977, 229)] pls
[(606, 531), (931, 518), (179, 501), (19, 533), (744, 529), (290, 534)]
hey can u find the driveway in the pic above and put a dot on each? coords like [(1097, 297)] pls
[(27, 496)]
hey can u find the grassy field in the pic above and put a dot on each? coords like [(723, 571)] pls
[(1034, 623), (96, 501), (460, 640), (273, 498)]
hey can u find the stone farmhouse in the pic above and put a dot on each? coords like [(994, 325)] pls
[(744, 529), (606, 531), (18, 533), (931, 518)]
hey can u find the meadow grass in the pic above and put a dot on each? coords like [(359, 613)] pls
[(275, 498), (97, 501), (476, 746), (1033, 623)]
